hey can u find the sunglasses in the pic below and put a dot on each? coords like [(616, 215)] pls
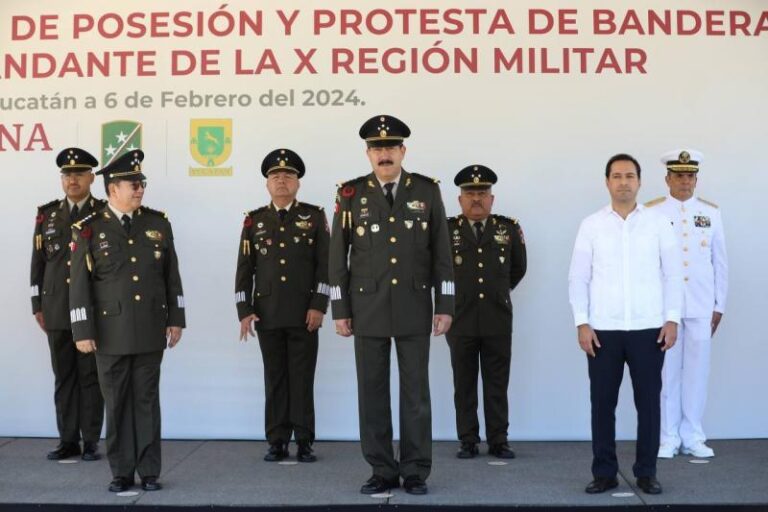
[(136, 185)]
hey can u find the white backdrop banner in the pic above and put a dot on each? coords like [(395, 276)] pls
[(542, 92)]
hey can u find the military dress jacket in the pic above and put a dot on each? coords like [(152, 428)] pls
[(385, 261), (282, 266), (50, 260), (486, 270), (126, 288), (698, 226)]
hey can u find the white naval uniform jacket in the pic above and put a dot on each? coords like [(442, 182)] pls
[(699, 228)]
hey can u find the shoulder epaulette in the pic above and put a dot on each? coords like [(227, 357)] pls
[(654, 202), (311, 206), (453, 219), (432, 180), (710, 203), (351, 182), (257, 210), (85, 220), (48, 204), (508, 219), (97, 203), (156, 212)]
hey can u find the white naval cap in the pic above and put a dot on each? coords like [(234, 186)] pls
[(682, 160)]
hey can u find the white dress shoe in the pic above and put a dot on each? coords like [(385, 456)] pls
[(667, 451), (699, 450)]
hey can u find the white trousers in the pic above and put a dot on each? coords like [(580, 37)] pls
[(684, 384)]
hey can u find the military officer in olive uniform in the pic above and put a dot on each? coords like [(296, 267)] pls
[(79, 405), (489, 260), (698, 225), (389, 249), (127, 305), (281, 287)]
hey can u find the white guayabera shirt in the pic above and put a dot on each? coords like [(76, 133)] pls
[(625, 275)]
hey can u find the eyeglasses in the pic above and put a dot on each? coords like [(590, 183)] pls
[(136, 185)]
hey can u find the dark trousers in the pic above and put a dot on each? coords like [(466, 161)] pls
[(643, 355), (290, 357), (372, 358), (79, 405), (491, 355), (130, 384)]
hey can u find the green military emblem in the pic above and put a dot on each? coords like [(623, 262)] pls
[(210, 141), (118, 138)]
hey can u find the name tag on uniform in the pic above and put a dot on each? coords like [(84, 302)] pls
[(702, 221)]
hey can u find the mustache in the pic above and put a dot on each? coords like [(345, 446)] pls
[(386, 161)]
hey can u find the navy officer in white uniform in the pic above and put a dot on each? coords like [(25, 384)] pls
[(699, 228)]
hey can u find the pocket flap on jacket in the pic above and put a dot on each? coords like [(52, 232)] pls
[(362, 285), (263, 290), (421, 283), (111, 308)]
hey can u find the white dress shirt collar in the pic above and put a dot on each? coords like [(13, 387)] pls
[(286, 207), (118, 213), (396, 181), (681, 204), (80, 203)]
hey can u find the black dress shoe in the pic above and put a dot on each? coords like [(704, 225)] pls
[(601, 484), (377, 484), (304, 453), (649, 485), (415, 485), (467, 450), (120, 484), (64, 451), (90, 451), (501, 450), (277, 452), (150, 483)]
